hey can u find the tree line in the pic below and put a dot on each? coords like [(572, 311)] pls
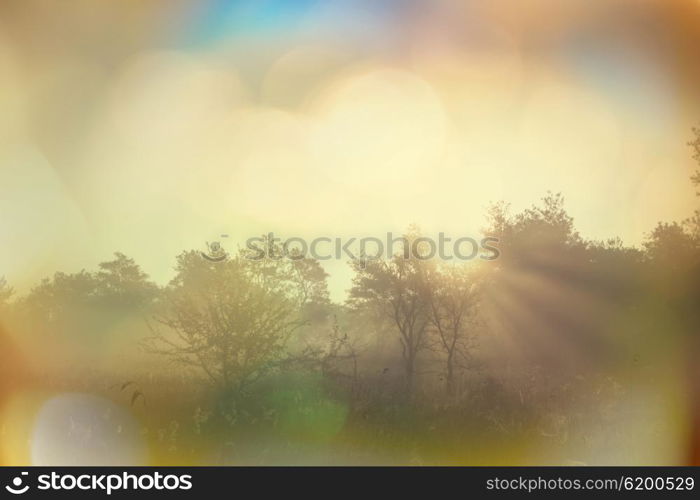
[(554, 309)]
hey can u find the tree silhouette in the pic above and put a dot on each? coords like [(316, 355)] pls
[(453, 303), (233, 320), (6, 293), (397, 289), (695, 144), (122, 284)]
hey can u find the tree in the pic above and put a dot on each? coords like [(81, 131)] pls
[(397, 289), (62, 302), (6, 293), (671, 247), (692, 224), (86, 316), (695, 144), (453, 307), (540, 237), (541, 290), (122, 284), (233, 320), (80, 301)]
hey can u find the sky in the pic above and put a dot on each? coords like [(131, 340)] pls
[(154, 127)]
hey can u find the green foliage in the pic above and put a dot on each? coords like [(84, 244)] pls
[(303, 409)]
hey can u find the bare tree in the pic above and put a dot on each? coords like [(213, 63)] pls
[(396, 288), (232, 320), (452, 312)]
